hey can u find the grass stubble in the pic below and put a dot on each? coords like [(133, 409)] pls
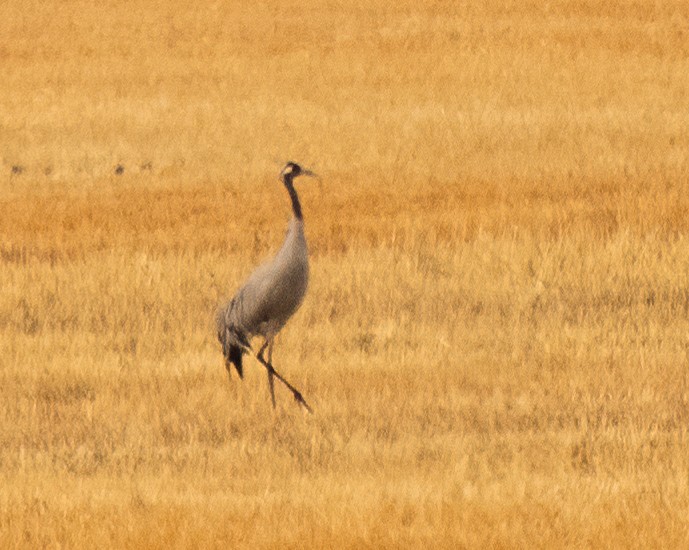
[(496, 335)]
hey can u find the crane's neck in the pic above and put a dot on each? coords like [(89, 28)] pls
[(296, 207)]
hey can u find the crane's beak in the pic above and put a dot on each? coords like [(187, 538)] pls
[(311, 174)]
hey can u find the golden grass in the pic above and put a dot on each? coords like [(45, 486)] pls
[(496, 335)]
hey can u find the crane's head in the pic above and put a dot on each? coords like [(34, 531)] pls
[(292, 170)]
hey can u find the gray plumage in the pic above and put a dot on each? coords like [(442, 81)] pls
[(270, 296)]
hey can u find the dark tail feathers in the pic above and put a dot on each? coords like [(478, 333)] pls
[(232, 347), (235, 357)]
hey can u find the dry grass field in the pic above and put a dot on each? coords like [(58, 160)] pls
[(496, 335)]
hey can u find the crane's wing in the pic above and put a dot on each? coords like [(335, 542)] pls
[(245, 315), (251, 306)]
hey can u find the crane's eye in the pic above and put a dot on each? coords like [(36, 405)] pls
[(291, 169)]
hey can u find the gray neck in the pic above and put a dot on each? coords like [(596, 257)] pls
[(296, 207)]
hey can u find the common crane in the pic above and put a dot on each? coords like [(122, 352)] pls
[(269, 297)]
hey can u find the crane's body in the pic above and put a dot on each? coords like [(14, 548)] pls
[(270, 296)]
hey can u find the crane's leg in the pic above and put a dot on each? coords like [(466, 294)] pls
[(273, 373), (268, 344), (271, 381)]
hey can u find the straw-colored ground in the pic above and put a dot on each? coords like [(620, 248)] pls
[(496, 336)]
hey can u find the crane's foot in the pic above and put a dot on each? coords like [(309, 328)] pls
[(298, 397), (273, 373)]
